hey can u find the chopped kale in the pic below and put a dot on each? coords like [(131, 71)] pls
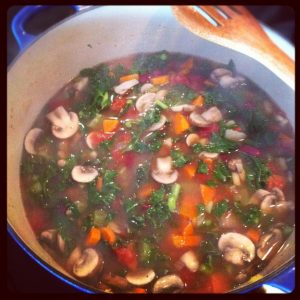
[(179, 159)]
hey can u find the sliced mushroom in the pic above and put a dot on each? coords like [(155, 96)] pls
[(140, 277), (84, 173), (208, 155), (274, 202), (160, 95), (269, 243), (74, 256), (144, 102), (239, 174), (169, 283), (258, 196), (125, 86), (192, 139), (183, 107), (229, 221), (190, 260), (88, 263), (64, 124), (146, 87), (281, 120), (159, 125), (61, 244), (116, 281), (230, 82), (208, 117), (234, 135), (163, 172), (216, 74), (81, 83), (237, 248), (30, 140), (49, 237), (168, 142)]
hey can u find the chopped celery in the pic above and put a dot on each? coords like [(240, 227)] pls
[(172, 199)]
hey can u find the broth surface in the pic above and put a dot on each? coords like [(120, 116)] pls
[(160, 173)]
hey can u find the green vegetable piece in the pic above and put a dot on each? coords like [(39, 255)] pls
[(161, 104), (172, 199), (221, 172), (95, 121), (201, 208), (220, 208), (99, 217), (179, 159), (202, 167)]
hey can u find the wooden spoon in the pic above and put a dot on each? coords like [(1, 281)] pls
[(235, 28)]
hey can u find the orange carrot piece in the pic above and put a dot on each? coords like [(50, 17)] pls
[(276, 181), (219, 282), (99, 184), (139, 291), (189, 229), (110, 125), (253, 234), (160, 80), (181, 241), (129, 77), (187, 66), (188, 207), (181, 123), (199, 101), (108, 235), (208, 193), (93, 237), (190, 170), (146, 190)]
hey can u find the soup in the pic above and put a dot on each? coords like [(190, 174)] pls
[(160, 173)]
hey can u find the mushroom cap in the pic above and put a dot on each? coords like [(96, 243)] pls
[(212, 115), (144, 102), (236, 247), (258, 196), (183, 107), (168, 282), (190, 260), (274, 202), (163, 172), (140, 277), (64, 124), (49, 237), (30, 140), (269, 243), (60, 243), (73, 257), (125, 86), (198, 120), (88, 263), (84, 174), (160, 95), (234, 135), (227, 81), (160, 124)]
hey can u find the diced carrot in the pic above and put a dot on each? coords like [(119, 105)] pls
[(110, 125), (129, 77), (99, 184), (253, 234), (188, 206), (93, 237), (146, 190), (160, 80), (139, 291), (276, 181), (187, 66), (108, 235), (199, 101), (189, 229), (209, 162), (190, 170), (181, 123), (220, 282), (181, 241), (208, 193)]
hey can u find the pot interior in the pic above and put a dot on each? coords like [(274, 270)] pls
[(85, 41)]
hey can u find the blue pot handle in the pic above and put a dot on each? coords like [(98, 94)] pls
[(17, 26), (284, 281)]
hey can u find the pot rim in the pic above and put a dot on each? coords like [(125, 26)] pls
[(76, 283)]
